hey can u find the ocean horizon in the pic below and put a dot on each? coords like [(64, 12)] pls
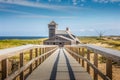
[(21, 37)]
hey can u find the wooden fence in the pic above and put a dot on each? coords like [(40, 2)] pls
[(8, 61), (79, 52)]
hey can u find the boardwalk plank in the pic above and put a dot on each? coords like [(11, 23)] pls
[(63, 72)]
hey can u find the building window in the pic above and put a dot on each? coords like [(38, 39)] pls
[(54, 43), (56, 38)]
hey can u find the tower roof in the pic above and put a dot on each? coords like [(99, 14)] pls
[(53, 23)]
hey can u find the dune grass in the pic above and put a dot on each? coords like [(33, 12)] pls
[(18, 42), (94, 40)]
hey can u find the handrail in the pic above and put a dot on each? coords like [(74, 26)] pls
[(94, 67), (41, 53), (9, 52), (109, 54), (11, 77), (106, 52)]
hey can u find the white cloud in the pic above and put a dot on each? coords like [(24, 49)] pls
[(81, 5), (91, 30), (45, 16), (49, 0), (83, 0), (30, 15), (106, 1), (68, 9), (87, 30), (28, 3), (41, 5), (82, 30), (13, 11), (74, 2)]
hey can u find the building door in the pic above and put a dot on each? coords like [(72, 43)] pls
[(61, 44), (54, 43)]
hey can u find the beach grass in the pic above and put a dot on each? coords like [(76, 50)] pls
[(114, 44), (8, 43)]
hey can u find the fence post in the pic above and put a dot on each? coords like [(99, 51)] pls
[(31, 56), (4, 69), (96, 64), (36, 55), (21, 65), (109, 68), (83, 65), (39, 54), (88, 57), (79, 54)]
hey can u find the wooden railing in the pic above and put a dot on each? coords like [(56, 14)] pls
[(82, 54), (15, 65)]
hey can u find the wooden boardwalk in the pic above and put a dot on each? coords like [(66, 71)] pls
[(59, 66), (54, 63)]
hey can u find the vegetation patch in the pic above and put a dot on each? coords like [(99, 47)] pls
[(18, 42)]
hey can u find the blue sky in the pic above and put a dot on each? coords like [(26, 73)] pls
[(83, 17)]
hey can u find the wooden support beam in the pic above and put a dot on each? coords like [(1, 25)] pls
[(39, 51), (36, 55), (21, 65), (31, 56), (39, 54), (79, 54), (109, 68), (4, 69), (88, 57), (83, 54), (96, 64)]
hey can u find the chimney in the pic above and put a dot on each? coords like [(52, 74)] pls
[(67, 29)]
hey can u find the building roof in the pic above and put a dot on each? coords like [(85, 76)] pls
[(65, 37), (53, 23), (53, 39), (61, 32), (70, 36)]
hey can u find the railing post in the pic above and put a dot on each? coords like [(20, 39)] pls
[(4, 69), (88, 57), (40, 54), (109, 68), (43, 53), (36, 55), (79, 53), (83, 65), (31, 56), (21, 65), (96, 64)]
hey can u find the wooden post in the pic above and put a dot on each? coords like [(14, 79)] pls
[(43, 50), (36, 55), (31, 56), (4, 69), (21, 65), (79, 53), (39, 54), (83, 65), (40, 51), (88, 57), (96, 64), (109, 68)]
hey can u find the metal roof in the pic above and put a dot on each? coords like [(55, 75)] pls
[(61, 32)]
